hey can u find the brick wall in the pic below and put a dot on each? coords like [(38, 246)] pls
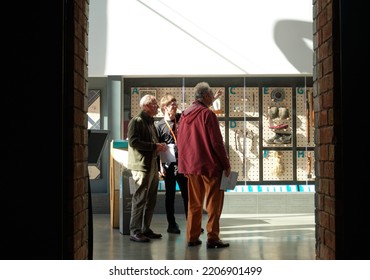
[(325, 128), (80, 171)]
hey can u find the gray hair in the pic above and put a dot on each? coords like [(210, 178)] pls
[(201, 89), (145, 100)]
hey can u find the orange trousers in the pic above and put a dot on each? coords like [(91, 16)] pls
[(202, 188)]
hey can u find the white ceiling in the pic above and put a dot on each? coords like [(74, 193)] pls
[(200, 37)]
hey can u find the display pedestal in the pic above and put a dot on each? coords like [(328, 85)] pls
[(118, 163)]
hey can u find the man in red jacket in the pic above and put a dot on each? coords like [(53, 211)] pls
[(202, 157)]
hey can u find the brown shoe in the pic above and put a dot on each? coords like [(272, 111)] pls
[(217, 244), (194, 243), (139, 237)]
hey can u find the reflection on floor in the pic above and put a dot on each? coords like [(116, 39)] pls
[(251, 237)]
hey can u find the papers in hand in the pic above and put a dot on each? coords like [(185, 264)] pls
[(229, 183), (169, 155)]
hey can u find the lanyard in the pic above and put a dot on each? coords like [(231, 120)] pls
[(169, 127)]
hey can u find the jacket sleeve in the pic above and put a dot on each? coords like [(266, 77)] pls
[(217, 142)]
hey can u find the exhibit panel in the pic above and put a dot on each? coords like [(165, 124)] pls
[(267, 125)]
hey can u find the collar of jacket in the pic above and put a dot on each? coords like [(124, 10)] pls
[(146, 117)]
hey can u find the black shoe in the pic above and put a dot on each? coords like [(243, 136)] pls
[(139, 237), (174, 229), (152, 235), (217, 244), (194, 243)]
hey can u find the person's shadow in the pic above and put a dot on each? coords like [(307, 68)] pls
[(289, 36)]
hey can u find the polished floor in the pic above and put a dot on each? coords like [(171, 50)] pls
[(251, 237)]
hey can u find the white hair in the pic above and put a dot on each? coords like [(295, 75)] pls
[(145, 100)]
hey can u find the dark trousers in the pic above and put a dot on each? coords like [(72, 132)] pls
[(170, 184)]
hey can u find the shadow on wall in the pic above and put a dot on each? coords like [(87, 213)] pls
[(292, 36)]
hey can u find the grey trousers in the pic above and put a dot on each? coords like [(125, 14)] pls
[(143, 200)]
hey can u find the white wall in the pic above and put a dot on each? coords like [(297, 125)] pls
[(200, 37)]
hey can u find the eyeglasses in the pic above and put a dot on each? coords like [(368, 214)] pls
[(153, 104)]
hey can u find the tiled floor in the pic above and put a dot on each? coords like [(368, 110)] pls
[(251, 237)]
